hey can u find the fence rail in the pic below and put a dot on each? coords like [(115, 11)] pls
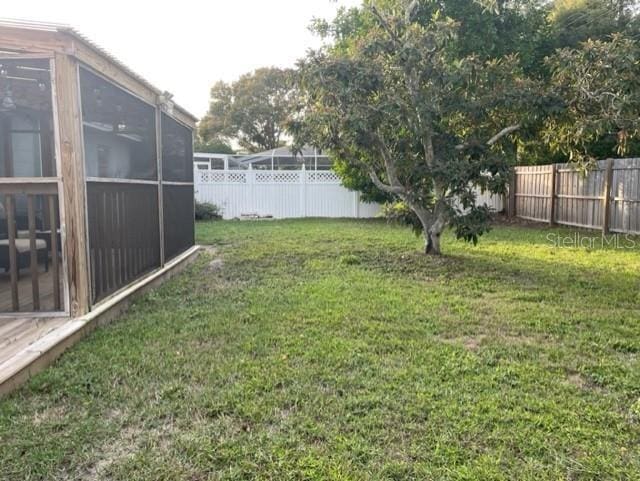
[(606, 198)]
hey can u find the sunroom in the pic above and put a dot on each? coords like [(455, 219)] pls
[(96, 177)]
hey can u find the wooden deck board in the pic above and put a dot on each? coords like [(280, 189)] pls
[(20, 334), (25, 295)]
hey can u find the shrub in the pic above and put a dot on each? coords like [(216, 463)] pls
[(207, 211), (399, 212)]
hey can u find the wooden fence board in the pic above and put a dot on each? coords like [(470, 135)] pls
[(580, 200)]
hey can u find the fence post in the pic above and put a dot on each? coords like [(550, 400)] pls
[(303, 191), (552, 199), (251, 179), (606, 198), (511, 209)]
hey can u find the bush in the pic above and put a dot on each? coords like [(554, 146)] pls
[(399, 212), (207, 211)]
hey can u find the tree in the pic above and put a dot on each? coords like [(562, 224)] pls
[(600, 86), (424, 123), (214, 146), (575, 21), (252, 110)]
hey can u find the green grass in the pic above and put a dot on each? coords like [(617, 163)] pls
[(333, 350)]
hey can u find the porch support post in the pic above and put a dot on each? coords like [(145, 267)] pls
[(67, 93), (160, 189)]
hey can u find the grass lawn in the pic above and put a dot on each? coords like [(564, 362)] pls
[(333, 350)]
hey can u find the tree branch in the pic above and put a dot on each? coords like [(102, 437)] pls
[(389, 163), (383, 23), (502, 133), (411, 80), (390, 189)]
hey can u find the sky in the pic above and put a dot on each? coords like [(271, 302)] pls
[(185, 46)]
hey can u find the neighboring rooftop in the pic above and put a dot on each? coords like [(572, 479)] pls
[(280, 158)]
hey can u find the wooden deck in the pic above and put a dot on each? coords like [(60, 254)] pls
[(25, 295), (17, 335), (28, 345)]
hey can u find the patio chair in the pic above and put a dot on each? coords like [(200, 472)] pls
[(23, 250)]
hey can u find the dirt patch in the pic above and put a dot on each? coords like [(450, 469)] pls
[(114, 451), (577, 380), (215, 265), (582, 382), (520, 340), (210, 250), (473, 343), (470, 343), (53, 413), (130, 440)]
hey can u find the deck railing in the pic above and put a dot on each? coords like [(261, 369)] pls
[(31, 241)]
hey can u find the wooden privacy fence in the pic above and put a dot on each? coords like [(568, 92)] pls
[(606, 198)]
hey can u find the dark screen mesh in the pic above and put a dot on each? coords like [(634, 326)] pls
[(177, 151), (119, 131), (178, 219), (26, 119), (124, 234)]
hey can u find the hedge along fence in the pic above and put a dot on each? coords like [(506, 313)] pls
[(606, 198)]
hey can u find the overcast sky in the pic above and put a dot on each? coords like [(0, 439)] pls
[(184, 46)]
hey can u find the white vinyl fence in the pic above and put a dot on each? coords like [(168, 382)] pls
[(280, 193), (284, 194)]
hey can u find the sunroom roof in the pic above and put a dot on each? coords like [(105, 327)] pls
[(68, 30)]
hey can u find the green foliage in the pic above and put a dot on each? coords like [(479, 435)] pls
[(575, 21), (213, 146), (206, 211), (511, 360), (354, 178), (252, 110), (403, 105), (600, 86), (399, 212), (472, 223)]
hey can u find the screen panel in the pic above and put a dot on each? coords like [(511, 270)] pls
[(178, 211), (124, 234), (26, 119), (177, 151), (119, 131)]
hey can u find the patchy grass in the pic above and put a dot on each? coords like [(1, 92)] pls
[(315, 350)]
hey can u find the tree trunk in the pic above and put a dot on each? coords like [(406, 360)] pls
[(432, 227), (432, 246), (432, 240)]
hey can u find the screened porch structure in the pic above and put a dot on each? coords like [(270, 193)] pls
[(96, 174), (282, 158)]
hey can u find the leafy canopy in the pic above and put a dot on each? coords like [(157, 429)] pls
[(396, 101), (252, 110), (600, 86)]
